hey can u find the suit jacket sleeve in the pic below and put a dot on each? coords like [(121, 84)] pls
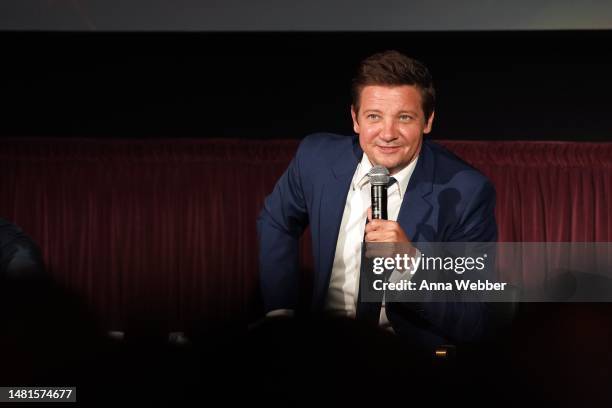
[(20, 257), (279, 226)]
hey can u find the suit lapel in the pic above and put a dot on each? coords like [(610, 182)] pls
[(415, 204), (332, 203)]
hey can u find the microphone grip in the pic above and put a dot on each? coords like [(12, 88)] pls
[(379, 202)]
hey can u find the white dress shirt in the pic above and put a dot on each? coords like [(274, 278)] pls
[(344, 283)]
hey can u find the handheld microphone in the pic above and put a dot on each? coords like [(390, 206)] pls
[(379, 178)]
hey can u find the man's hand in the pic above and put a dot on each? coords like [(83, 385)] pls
[(388, 232), (384, 231)]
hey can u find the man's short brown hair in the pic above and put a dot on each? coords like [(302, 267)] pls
[(392, 68)]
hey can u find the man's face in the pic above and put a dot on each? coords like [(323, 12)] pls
[(391, 123)]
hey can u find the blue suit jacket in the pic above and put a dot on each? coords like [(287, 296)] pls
[(446, 201)]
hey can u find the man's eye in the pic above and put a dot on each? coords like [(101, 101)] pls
[(373, 116), (405, 118)]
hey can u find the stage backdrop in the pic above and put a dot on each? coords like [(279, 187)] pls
[(165, 229)]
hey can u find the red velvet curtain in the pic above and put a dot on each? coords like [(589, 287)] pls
[(547, 191), (166, 228)]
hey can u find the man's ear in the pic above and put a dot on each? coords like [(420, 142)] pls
[(429, 123), (355, 122)]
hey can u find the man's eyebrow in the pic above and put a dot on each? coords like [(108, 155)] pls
[(411, 112), (408, 111)]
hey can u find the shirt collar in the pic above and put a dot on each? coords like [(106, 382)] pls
[(361, 175), (361, 178), (403, 176)]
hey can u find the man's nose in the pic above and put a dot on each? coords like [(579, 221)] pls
[(389, 131)]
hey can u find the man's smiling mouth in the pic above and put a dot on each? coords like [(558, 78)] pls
[(388, 149)]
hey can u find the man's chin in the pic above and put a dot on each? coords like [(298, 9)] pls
[(386, 162), (393, 163)]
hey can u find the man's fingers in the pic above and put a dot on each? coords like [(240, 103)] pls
[(373, 225), (379, 236), (385, 235), (369, 228), (384, 231)]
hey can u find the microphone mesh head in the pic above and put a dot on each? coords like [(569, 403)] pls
[(379, 176)]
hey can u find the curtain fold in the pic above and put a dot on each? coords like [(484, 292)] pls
[(547, 191), (165, 228)]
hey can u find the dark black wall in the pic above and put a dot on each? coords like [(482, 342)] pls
[(491, 85)]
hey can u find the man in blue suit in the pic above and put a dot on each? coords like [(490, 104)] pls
[(436, 198)]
